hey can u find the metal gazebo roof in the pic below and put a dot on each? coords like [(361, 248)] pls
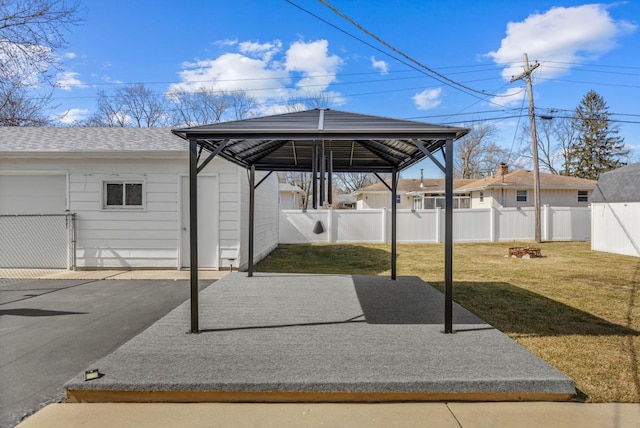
[(313, 140), (360, 143)]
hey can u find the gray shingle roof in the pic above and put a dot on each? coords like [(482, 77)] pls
[(619, 185), (16, 139)]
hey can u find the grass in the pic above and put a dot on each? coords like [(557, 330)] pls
[(577, 309)]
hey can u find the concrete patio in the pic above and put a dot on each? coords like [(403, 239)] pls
[(333, 338)]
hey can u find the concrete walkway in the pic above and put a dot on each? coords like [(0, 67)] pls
[(442, 415), (115, 274)]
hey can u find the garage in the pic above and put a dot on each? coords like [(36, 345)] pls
[(34, 229), (33, 194)]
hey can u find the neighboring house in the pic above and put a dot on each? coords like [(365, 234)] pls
[(505, 189), (291, 196), (515, 189), (129, 189), (615, 210), (411, 194)]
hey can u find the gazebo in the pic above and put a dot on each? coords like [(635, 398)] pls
[(323, 142)]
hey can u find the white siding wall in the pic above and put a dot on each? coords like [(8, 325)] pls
[(382, 200), (507, 198), (615, 228), (135, 238), (266, 217)]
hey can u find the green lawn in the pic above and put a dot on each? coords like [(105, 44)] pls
[(577, 309)]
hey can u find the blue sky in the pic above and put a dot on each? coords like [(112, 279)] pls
[(276, 51)]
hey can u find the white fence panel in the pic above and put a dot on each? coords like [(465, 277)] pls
[(472, 225), (417, 226), (469, 225), (567, 224), (359, 226), (515, 224), (616, 228), (296, 227)]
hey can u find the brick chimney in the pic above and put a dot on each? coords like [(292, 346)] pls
[(503, 169)]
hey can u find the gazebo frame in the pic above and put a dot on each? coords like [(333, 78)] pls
[(317, 141)]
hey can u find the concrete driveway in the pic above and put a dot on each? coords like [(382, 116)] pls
[(50, 330)]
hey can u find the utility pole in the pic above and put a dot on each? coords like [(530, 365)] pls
[(526, 74)]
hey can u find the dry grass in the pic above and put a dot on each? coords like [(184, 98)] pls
[(577, 309)]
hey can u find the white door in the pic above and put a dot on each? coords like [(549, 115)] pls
[(208, 209)]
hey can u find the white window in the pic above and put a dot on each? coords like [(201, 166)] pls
[(481, 196), (398, 199), (521, 196), (123, 195), (583, 196)]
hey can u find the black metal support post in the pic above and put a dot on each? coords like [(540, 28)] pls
[(330, 179), (394, 192), (252, 208), (193, 231), (323, 162), (314, 176), (448, 239)]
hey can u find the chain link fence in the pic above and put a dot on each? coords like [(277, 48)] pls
[(38, 241)]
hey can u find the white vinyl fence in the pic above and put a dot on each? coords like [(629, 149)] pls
[(424, 226)]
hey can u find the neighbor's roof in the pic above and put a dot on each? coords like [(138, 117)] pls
[(523, 179), (286, 187), (23, 140), (357, 142), (413, 185), (619, 185)]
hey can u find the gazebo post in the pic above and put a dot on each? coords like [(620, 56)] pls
[(252, 208), (394, 189), (448, 238), (193, 231)]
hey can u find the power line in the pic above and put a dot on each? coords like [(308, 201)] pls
[(445, 80), (471, 92)]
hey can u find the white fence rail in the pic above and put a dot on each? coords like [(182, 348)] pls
[(424, 226)]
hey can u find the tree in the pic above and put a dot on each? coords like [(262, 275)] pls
[(477, 155), (301, 180), (18, 108), (206, 105), (555, 137), (130, 106), (352, 181), (308, 102), (597, 148), (31, 34)]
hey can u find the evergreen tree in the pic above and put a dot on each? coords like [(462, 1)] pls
[(598, 148)]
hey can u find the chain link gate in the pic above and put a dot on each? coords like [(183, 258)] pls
[(38, 241)]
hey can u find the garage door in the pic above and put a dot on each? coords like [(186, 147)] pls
[(34, 232), (33, 194)]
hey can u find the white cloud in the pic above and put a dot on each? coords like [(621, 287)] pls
[(266, 71), (266, 51), (225, 43), (565, 34), (72, 115), (312, 60), (69, 55), (427, 99), (380, 65), (68, 80)]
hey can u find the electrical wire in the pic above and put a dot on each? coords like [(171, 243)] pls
[(445, 79)]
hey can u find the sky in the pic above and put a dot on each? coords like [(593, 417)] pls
[(277, 50)]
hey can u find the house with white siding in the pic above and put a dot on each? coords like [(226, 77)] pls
[(503, 190), (128, 188), (615, 210)]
